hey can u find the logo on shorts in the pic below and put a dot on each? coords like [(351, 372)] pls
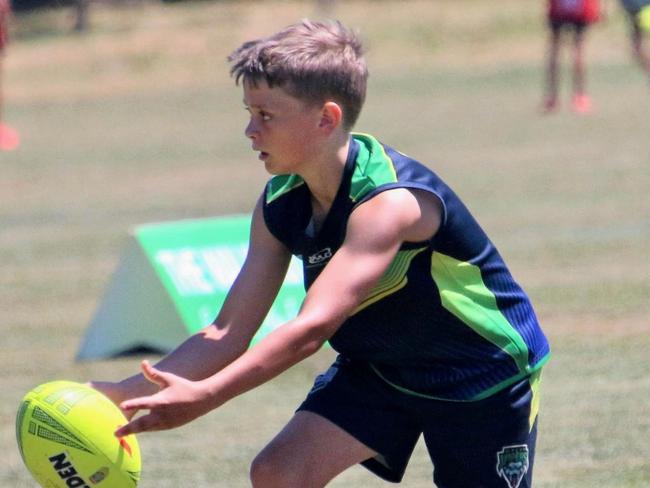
[(512, 464)]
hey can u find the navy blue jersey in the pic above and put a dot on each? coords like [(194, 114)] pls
[(447, 320)]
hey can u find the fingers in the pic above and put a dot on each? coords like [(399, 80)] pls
[(145, 423), (141, 424), (132, 406), (154, 375)]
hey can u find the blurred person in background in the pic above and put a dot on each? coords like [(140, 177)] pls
[(638, 12), (81, 17), (8, 136), (573, 16)]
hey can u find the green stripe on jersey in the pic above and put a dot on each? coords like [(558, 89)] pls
[(394, 278), (282, 184), (465, 295), (374, 167)]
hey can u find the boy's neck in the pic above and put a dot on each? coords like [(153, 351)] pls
[(324, 176)]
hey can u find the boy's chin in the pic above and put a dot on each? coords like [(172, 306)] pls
[(274, 168), (271, 169)]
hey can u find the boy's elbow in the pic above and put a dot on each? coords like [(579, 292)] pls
[(316, 334), (310, 347), (225, 337)]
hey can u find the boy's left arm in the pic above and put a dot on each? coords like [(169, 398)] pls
[(375, 232)]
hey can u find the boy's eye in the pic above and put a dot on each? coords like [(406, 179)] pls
[(261, 113)]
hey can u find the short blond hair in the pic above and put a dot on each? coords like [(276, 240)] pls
[(313, 61)]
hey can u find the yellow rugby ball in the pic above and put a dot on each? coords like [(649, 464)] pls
[(65, 437)]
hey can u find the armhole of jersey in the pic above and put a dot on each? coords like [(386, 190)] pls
[(267, 218)]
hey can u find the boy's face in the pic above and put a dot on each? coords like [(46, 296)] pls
[(283, 129)]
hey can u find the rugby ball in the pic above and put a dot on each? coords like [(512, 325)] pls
[(65, 437)]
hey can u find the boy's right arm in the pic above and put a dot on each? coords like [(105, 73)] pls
[(243, 311)]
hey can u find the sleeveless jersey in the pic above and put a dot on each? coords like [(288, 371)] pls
[(446, 320)]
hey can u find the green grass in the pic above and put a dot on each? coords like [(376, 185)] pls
[(137, 122)]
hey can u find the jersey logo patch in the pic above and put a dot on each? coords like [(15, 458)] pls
[(320, 256), (512, 464)]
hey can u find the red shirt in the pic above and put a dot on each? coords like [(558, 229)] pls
[(586, 11), (5, 10)]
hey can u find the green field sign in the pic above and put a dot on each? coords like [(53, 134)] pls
[(171, 281)]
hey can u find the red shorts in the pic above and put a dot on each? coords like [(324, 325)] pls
[(5, 11)]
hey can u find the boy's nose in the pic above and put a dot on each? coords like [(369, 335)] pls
[(250, 131)]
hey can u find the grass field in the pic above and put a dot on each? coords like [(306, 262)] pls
[(137, 121)]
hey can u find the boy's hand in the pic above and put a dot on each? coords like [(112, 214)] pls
[(178, 402)]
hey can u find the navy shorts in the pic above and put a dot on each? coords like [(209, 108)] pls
[(487, 443)]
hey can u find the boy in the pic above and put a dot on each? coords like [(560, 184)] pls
[(434, 335), (574, 15), (634, 9)]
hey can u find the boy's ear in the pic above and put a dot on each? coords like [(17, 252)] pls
[(331, 116)]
